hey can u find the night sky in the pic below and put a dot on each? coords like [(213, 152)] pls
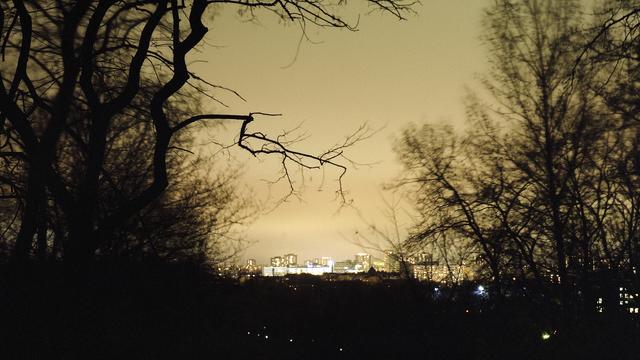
[(387, 74)]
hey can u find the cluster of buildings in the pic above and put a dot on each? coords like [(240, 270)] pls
[(288, 264), (367, 268), (419, 266)]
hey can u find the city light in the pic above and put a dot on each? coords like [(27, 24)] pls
[(480, 291), (419, 266)]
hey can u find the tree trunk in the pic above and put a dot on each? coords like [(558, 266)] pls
[(42, 246), (79, 246), (34, 199)]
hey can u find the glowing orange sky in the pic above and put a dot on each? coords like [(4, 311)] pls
[(388, 73)]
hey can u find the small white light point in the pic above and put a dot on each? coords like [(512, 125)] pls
[(546, 335), (266, 336), (290, 340)]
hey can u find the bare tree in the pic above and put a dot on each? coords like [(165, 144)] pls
[(530, 184), (614, 45), (545, 101), (457, 194), (103, 59), (388, 240)]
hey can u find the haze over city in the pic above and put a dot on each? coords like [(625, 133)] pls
[(387, 74)]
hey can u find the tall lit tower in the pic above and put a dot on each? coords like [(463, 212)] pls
[(364, 259), (277, 261), (291, 259), (391, 260)]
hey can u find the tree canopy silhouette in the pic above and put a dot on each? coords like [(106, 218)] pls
[(82, 78), (542, 184)]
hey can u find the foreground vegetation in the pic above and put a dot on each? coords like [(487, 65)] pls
[(175, 311)]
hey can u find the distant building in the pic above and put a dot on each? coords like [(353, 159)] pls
[(326, 261), (277, 261), (628, 301), (391, 261), (368, 277), (345, 267), (308, 263), (421, 272), (251, 266), (282, 270), (363, 261), (291, 259)]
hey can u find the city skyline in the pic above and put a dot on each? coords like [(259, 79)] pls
[(419, 266), (266, 259)]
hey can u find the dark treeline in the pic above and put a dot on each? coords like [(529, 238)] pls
[(167, 314), (543, 184)]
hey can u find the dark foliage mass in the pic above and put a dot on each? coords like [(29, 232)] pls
[(157, 313), (543, 183)]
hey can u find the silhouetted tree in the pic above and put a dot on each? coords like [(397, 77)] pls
[(614, 46), (528, 184), (388, 240), (71, 65), (455, 196)]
